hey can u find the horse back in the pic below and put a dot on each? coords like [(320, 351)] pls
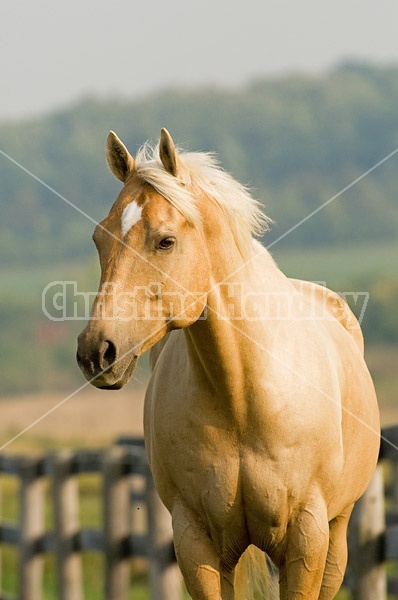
[(332, 306)]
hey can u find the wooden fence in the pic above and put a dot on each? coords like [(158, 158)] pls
[(372, 572), (373, 534), (117, 466)]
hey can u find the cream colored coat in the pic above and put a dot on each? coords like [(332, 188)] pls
[(261, 422)]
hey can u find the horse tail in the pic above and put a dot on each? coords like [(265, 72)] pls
[(252, 576)]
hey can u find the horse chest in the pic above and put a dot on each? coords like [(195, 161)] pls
[(234, 493), (251, 509), (241, 481)]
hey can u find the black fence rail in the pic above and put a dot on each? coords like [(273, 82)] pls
[(373, 531), (118, 467)]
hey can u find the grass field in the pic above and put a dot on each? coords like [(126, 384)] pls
[(338, 266), (335, 266)]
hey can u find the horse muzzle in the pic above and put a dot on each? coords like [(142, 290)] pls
[(102, 361)]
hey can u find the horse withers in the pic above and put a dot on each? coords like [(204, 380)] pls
[(261, 421)]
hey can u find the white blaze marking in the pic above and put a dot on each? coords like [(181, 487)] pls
[(130, 216)]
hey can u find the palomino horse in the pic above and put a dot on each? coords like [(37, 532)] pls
[(261, 421)]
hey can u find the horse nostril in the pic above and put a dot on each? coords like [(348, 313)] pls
[(82, 361), (78, 359), (108, 354)]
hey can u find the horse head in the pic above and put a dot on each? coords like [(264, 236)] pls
[(154, 264)]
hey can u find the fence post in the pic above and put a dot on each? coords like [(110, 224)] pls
[(1, 519), (66, 522), (116, 523), (367, 529), (164, 575), (32, 528)]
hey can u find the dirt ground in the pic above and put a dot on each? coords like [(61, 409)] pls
[(89, 418)]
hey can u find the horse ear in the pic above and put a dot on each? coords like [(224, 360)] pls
[(120, 161), (168, 153)]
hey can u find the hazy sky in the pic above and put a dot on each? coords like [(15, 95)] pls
[(53, 53)]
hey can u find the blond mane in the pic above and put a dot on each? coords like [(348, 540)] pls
[(202, 170)]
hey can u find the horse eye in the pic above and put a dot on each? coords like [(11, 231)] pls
[(166, 243)]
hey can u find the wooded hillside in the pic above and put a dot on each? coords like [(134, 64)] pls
[(297, 141)]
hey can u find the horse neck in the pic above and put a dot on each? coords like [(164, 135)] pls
[(224, 346), (215, 350)]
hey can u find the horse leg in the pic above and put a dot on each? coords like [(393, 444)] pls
[(305, 557), (336, 560), (198, 560)]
